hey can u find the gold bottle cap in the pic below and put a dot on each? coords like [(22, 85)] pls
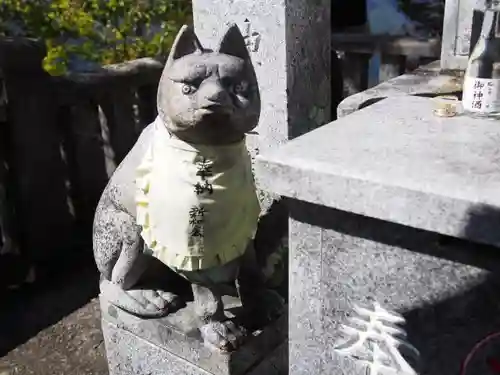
[(445, 106)]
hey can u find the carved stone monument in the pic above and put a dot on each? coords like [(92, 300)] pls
[(181, 289)]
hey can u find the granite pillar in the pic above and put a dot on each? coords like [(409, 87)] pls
[(458, 33), (289, 42)]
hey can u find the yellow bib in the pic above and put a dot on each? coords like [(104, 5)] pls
[(197, 205)]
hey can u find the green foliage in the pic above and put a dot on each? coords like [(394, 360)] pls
[(79, 32)]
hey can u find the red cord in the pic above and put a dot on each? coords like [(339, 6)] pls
[(493, 363)]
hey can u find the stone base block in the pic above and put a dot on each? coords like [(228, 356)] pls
[(447, 290), (172, 345)]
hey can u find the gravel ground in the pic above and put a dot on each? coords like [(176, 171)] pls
[(53, 329), (72, 346)]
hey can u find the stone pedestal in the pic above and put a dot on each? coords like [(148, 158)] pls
[(172, 346), (394, 206), (290, 45)]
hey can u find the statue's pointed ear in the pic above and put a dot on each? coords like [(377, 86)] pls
[(233, 43), (185, 43)]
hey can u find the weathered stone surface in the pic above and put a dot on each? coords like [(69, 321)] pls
[(131, 355), (448, 293), (396, 161), (427, 81), (53, 326), (172, 345), (134, 355), (73, 345), (457, 28)]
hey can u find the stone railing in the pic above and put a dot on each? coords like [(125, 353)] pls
[(399, 54), (20, 61), (62, 138), (428, 81)]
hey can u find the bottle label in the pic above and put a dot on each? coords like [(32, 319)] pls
[(481, 95)]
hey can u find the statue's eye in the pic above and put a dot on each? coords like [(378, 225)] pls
[(188, 89), (240, 88)]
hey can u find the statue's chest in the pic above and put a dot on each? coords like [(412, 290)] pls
[(184, 193), (183, 185)]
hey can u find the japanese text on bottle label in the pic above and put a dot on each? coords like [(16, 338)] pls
[(481, 95)]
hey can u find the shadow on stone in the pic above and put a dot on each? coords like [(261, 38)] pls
[(371, 101), (273, 225), (159, 276), (445, 332), (448, 294), (416, 240), (28, 310), (483, 225)]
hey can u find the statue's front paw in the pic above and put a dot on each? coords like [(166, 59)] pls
[(155, 303), (142, 302), (225, 336)]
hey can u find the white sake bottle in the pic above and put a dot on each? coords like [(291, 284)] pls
[(481, 90)]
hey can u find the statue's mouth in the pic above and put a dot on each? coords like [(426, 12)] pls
[(217, 108)]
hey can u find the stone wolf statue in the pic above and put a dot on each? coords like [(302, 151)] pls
[(185, 193)]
